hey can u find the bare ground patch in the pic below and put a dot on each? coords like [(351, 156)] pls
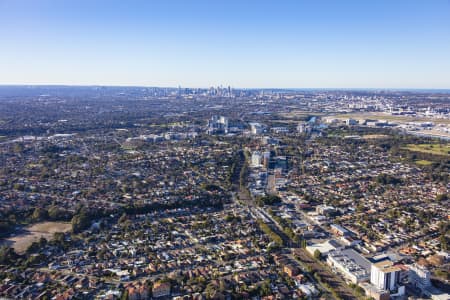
[(33, 233)]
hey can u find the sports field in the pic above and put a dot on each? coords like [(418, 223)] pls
[(435, 149)]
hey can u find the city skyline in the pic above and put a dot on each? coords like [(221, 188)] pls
[(296, 44)]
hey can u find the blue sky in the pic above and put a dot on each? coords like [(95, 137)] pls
[(300, 44)]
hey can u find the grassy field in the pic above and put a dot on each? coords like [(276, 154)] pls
[(435, 149), (423, 162), (375, 136), (33, 233), (128, 147), (298, 113)]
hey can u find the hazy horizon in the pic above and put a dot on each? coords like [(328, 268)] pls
[(224, 86)]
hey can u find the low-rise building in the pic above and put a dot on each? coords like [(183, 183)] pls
[(161, 289), (353, 266)]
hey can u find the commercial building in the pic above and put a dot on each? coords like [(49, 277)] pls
[(352, 265), (304, 127), (266, 158), (256, 128), (351, 122), (419, 276), (325, 209), (384, 275), (324, 248)]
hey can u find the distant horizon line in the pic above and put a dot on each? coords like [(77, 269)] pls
[(224, 86)]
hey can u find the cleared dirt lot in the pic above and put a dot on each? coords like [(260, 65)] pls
[(33, 233)]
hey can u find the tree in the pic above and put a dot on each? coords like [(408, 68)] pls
[(7, 255), (58, 237), (5, 227), (124, 295), (39, 214), (222, 286), (123, 218), (268, 200), (442, 197), (243, 175), (444, 242), (42, 242), (317, 254), (80, 222), (19, 187), (264, 289), (210, 290), (303, 243), (34, 247), (55, 213), (388, 179)]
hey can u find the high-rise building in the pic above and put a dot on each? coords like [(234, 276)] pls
[(218, 125), (351, 122), (266, 158), (304, 127), (419, 276), (256, 159), (385, 275), (256, 128)]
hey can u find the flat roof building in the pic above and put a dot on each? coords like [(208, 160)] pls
[(351, 264), (385, 275)]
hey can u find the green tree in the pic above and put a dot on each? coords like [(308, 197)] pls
[(123, 218), (33, 248), (264, 289), (303, 243), (55, 213), (442, 197), (80, 222), (268, 200), (124, 295), (39, 214), (7, 255)]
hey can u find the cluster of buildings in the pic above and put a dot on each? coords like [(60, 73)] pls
[(150, 147), (123, 173), (217, 125), (347, 185), (426, 126), (166, 254), (168, 136)]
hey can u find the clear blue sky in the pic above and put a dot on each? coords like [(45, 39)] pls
[(242, 43)]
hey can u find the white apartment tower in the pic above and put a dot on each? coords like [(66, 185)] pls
[(256, 159), (384, 275), (419, 276)]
